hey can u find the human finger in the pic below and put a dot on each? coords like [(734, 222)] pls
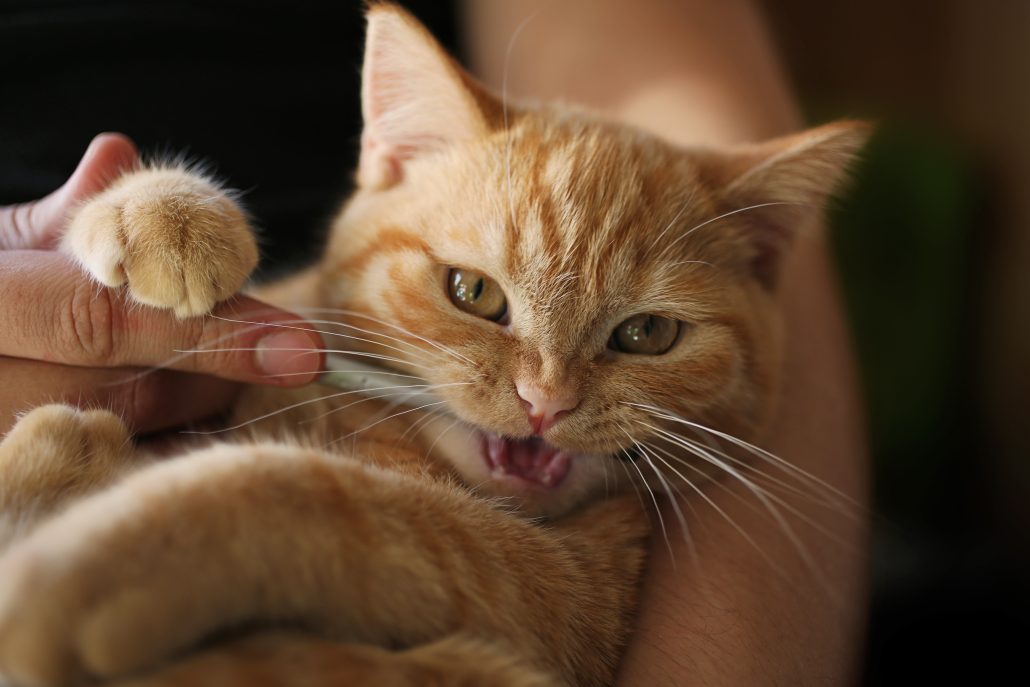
[(38, 224), (55, 313), (147, 401)]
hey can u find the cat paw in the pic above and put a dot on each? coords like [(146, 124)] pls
[(76, 610), (177, 239), (107, 587), (63, 432), (70, 614), (55, 452), (52, 455)]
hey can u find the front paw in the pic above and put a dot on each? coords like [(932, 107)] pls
[(96, 594), (67, 622), (37, 617), (176, 238)]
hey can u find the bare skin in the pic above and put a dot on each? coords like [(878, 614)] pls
[(67, 339), (696, 72)]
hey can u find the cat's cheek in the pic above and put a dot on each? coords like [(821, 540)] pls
[(461, 448)]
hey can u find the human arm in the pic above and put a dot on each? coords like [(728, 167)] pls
[(704, 72)]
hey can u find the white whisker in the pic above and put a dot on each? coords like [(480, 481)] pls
[(377, 422), (751, 448), (672, 500), (436, 354), (722, 216), (415, 350), (414, 426), (632, 483), (676, 218), (395, 327), (812, 496), (714, 505), (360, 354), (654, 500), (422, 389), (429, 451), (299, 404), (811, 522), (382, 372), (763, 497)]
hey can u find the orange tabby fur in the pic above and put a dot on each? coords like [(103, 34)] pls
[(383, 550)]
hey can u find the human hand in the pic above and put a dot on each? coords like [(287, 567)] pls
[(66, 338)]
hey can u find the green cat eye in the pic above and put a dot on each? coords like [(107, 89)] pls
[(476, 294), (645, 335)]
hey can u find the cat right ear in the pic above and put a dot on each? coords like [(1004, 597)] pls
[(773, 189), (415, 99)]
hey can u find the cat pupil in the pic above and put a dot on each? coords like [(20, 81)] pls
[(645, 335), (477, 294)]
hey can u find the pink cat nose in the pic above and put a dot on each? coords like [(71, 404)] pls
[(544, 408)]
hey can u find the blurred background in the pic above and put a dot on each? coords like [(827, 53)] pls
[(933, 239), (933, 243)]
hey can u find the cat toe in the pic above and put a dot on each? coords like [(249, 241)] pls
[(178, 240)]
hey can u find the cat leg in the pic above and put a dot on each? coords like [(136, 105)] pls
[(286, 660), (465, 661), (53, 454), (176, 238), (238, 535)]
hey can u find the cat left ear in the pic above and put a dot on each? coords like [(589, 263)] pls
[(773, 189), (415, 99)]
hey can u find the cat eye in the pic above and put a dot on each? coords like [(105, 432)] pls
[(477, 294), (645, 335)]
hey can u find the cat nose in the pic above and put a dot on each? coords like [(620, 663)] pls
[(544, 408)]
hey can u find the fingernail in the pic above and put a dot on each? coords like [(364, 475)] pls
[(287, 354)]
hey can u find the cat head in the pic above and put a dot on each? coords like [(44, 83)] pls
[(575, 289)]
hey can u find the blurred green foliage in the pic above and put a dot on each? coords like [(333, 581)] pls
[(903, 235)]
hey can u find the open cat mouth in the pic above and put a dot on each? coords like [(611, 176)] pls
[(530, 460)]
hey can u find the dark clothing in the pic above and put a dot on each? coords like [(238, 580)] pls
[(265, 91)]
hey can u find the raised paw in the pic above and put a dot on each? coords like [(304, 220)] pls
[(176, 238)]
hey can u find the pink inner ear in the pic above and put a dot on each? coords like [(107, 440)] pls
[(415, 99), (770, 241), (380, 165)]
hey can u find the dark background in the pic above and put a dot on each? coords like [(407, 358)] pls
[(264, 92), (932, 240), (933, 244)]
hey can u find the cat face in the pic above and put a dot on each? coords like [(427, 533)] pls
[(562, 281)]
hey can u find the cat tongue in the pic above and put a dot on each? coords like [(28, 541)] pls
[(533, 460)]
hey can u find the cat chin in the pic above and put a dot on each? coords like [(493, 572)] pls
[(562, 482)]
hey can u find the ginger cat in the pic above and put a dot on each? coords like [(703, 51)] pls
[(574, 292)]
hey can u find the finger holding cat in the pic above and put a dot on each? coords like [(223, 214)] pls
[(59, 315)]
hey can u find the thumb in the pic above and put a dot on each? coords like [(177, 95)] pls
[(38, 224)]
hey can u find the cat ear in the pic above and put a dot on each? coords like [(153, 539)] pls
[(773, 189), (415, 99)]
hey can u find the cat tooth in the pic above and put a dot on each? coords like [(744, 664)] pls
[(497, 452)]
